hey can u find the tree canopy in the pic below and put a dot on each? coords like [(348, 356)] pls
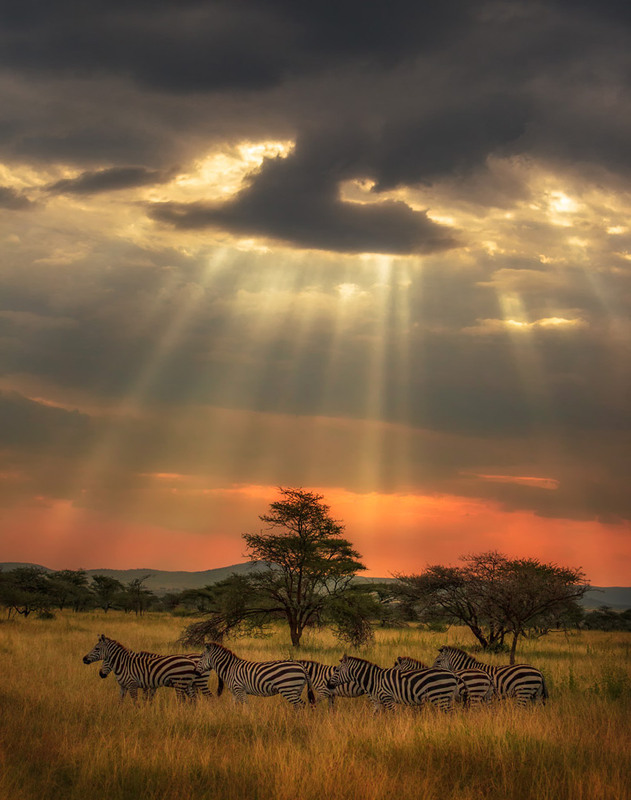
[(494, 596), (302, 572)]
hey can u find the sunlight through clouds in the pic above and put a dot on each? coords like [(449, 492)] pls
[(295, 250)]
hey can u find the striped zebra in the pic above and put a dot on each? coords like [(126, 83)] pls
[(148, 671), (521, 681), (478, 685), (200, 682), (320, 674), (261, 678), (386, 687)]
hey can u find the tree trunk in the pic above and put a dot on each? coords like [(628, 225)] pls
[(513, 647), (296, 633), (479, 635)]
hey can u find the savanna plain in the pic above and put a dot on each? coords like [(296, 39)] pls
[(64, 735)]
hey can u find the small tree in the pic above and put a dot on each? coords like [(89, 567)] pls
[(105, 590), (138, 596), (531, 597), (69, 587), (302, 569), (25, 590), (494, 596), (306, 561)]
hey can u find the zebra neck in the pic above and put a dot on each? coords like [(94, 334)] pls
[(118, 657), (367, 674), (472, 663), (222, 661)]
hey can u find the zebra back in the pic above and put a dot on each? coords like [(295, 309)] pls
[(320, 675), (521, 681), (264, 678), (142, 670), (389, 686), (407, 663)]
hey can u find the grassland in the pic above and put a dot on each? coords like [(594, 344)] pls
[(64, 735)]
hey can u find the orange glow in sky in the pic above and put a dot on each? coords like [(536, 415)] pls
[(393, 532)]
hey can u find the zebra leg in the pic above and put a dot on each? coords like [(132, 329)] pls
[(293, 697), (240, 696)]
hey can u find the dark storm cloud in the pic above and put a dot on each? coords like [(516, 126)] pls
[(109, 180), (14, 200), (296, 200), (430, 91), (200, 46), (29, 425)]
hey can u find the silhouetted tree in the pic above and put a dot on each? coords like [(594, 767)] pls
[(70, 588), (105, 590), (304, 569), (138, 596), (495, 596), (24, 590)]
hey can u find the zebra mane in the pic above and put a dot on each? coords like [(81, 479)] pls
[(104, 638), (451, 649), (359, 660), (222, 647), (410, 658)]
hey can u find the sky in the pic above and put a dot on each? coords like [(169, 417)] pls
[(380, 252)]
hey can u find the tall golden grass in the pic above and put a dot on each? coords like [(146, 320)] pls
[(64, 734)]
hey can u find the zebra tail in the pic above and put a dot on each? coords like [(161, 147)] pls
[(463, 692), (544, 690), (219, 686), (310, 693)]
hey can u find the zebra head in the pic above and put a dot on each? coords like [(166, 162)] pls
[(98, 652), (205, 662), (443, 660), (404, 663), (341, 674)]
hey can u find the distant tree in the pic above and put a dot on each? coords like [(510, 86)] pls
[(533, 598), (70, 588), (606, 619), (304, 570), (495, 596), (24, 590), (138, 597), (105, 590)]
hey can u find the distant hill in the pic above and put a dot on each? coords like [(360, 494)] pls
[(159, 581), (163, 581)]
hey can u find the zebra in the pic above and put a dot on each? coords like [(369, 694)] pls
[(478, 685), (320, 675), (261, 678), (147, 671), (521, 681), (386, 687), (199, 684)]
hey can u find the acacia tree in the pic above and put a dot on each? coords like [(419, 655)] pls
[(105, 590), (532, 597), (495, 596), (303, 570)]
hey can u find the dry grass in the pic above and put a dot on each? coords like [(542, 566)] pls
[(64, 735)]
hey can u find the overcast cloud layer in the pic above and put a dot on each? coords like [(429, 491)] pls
[(383, 250)]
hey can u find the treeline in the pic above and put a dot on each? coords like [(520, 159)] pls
[(31, 590), (306, 577)]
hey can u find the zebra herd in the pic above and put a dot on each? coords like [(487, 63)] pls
[(454, 677)]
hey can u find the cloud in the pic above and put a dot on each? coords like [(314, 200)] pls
[(109, 180), (296, 200), (217, 46), (14, 200)]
